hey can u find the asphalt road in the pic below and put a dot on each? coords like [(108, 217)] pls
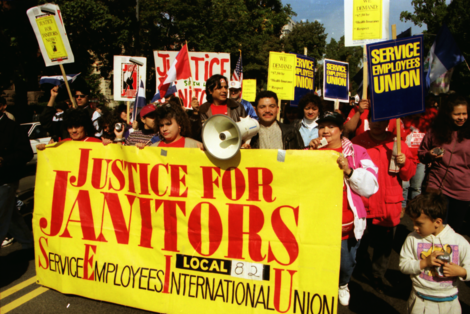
[(20, 294)]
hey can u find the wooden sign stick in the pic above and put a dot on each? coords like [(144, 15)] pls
[(128, 109), (365, 81), (398, 127), (279, 111), (67, 85)]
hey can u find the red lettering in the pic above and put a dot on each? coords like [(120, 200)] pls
[(278, 287), (254, 185), (196, 66), (235, 232), (206, 68), (166, 286), (208, 181), (155, 179), (144, 181), (284, 235), (146, 227), (44, 254), (239, 183), (130, 166), (166, 64), (211, 67), (88, 261), (82, 169), (170, 222), (118, 174), (58, 204), (117, 217), (86, 217), (96, 173), (176, 180), (215, 229)]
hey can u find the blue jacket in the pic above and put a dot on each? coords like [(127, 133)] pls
[(249, 109)]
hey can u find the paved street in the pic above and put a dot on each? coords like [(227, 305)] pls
[(20, 294)]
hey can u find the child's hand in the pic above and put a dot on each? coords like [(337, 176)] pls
[(454, 270), (431, 260), (140, 145)]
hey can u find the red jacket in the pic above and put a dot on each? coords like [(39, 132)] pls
[(385, 205)]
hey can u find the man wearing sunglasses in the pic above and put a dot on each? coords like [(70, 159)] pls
[(81, 95)]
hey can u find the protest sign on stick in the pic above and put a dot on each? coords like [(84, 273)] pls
[(281, 74), (203, 65), (336, 80), (49, 29), (177, 232), (128, 71), (396, 78), (304, 77), (365, 21), (249, 90)]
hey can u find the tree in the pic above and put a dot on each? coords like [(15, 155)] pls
[(456, 15), (309, 34)]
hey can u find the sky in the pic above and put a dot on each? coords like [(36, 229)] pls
[(331, 14)]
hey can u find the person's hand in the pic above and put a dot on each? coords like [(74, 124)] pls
[(140, 145), (314, 143), (344, 165), (195, 104), (401, 159), (51, 141), (433, 155), (54, 92), (363, 105), (454, 270), (106, 141), (431, 260), (135, 124), (338, 111), (119, 134), (246, 146), (41, 146), (200, 146)]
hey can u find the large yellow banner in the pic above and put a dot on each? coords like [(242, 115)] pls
[(172, 231)]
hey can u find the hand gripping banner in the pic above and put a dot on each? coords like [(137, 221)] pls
[(169, 230)]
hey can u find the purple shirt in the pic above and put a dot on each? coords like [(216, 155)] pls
[(457, 180)]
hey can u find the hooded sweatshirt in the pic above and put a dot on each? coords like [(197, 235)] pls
[(426, 281)]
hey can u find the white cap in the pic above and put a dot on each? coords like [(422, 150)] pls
[(235, 84)]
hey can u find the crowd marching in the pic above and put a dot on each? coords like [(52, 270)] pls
[(429, 179)]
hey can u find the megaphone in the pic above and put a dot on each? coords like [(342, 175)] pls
[(223, 137)]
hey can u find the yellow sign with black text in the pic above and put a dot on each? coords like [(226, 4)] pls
[(281, 74), (367, 19), (169, 230), (249, 90), (51, 37)]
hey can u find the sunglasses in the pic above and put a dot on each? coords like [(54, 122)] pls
[(80, 96)]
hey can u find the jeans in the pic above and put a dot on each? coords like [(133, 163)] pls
[(456, 211), (412, 188), (11, 220), (348, 259)]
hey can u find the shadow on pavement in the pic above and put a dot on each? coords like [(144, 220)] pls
[(359, 304), (20, 259)]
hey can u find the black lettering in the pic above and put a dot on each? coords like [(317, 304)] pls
[(100, 274), (115, 275), (140, 278), (159, 279), (78, 266), (150, 277), (129, 278), (133, 275), (107, 270)]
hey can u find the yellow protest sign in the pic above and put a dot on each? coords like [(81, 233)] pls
[(367, 19), (281, 74), (169, 230), (51, 37), (249, 90)]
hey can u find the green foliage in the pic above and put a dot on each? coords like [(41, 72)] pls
[(309, 34), (337, 51), (456, 15)]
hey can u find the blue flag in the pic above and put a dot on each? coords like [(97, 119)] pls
[(140, 101)]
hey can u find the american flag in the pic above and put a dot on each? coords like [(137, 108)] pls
[(238, 73)]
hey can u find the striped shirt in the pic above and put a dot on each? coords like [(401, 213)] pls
[(140, 137)]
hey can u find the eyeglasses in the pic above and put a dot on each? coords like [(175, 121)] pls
[(80, 96)]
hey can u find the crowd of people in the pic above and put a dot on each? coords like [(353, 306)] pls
[(428, 179)]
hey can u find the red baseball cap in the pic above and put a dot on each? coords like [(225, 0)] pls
[(146, 110)]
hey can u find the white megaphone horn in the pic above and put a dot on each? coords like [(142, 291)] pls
[(222, 137)]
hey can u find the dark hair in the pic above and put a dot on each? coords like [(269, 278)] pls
[(310, 98), (212, 83), (81, 87), (107, 120), (77, 118), (117, 112), (169, 111), (266, 94), (175, 101), (432, 205), (444, 125), (3, 101), (139, 121)]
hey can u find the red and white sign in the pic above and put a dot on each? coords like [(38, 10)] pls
[(203, 65)]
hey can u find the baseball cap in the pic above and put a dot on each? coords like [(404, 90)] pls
[(235, 84), (146, 110), (334, 117)]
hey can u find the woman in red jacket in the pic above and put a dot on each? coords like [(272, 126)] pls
[(384, 207)]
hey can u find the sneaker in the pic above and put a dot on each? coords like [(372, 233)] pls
[(7, 242), (343, 295)]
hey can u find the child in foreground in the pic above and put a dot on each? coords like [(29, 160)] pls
[(435, 257)]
